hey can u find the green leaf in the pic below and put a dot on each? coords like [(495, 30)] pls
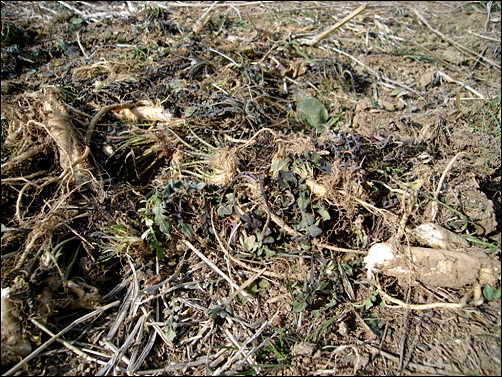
[(187, 230), (491, 293), (368, 304), (324, 213), (170, 333), (268, 252), (303, 200), (159, 253), (396, 92), (314, 230), (307, 220), (225, 210), (280, 164), (497, 293), (76, 21), (161, 220), (287, 179), (298, 306), (309, 110), (251, 244)]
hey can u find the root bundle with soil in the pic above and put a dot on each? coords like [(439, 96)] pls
[(249, 188)]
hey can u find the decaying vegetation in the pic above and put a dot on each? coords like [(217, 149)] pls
[(193, 188)]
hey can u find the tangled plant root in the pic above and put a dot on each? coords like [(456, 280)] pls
[(72, 154), (224, 166)]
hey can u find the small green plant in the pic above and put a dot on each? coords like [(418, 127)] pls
[(154, 208), (373, 321), (277, 352), (482, 6), (491, 293), (370, 302), (172, 320), (216, 311)]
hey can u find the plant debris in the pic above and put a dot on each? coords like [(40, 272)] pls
[(281, 188)]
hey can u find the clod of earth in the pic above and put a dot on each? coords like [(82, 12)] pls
[(14, 344), (435, 236), (433, 267)]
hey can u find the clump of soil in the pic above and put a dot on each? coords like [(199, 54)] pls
[(192, 188)]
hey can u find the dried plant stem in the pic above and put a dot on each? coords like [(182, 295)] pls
[(404, 305), (22, 157), (202, 20), (220, 370), (241, 263), (325, 33), (472, 90), (68, 345), (457, 45), (34, 354), (375, 73), (436, 370), (97, 118), (81, 47), (440, 185), (213, 266)]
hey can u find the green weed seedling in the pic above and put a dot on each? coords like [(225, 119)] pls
[(491, 293), (370, 302)]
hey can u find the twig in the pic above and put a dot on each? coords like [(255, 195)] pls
[(81, 47), (336, 248), (404, 305), (63, 3), (32, 355), (484, 36), (22, 157), (460, 47), (253, 350), (375, 73), (225, 56), (440, 184), (404, 337), (449, 79), (202, 21), (220, 370), (122, 350), (98, 116), (324, 34), (68, 345), (213, 266), (246, 284), (412, 348), (241, 263), (429, 368)]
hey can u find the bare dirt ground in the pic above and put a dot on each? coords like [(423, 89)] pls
[(194, 187)]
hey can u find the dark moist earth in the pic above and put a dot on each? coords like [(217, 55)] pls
[(245, 157)]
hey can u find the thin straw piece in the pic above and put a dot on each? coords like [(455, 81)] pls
[(34, 354)]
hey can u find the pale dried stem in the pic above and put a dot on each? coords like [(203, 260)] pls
[(22, 157), (68, 345), (440, 184), (213, 266), (375, 73), (404, 305), (220, 370), (36, 352), (457, 45), (203, 19), (463, 85), (325, 34)]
